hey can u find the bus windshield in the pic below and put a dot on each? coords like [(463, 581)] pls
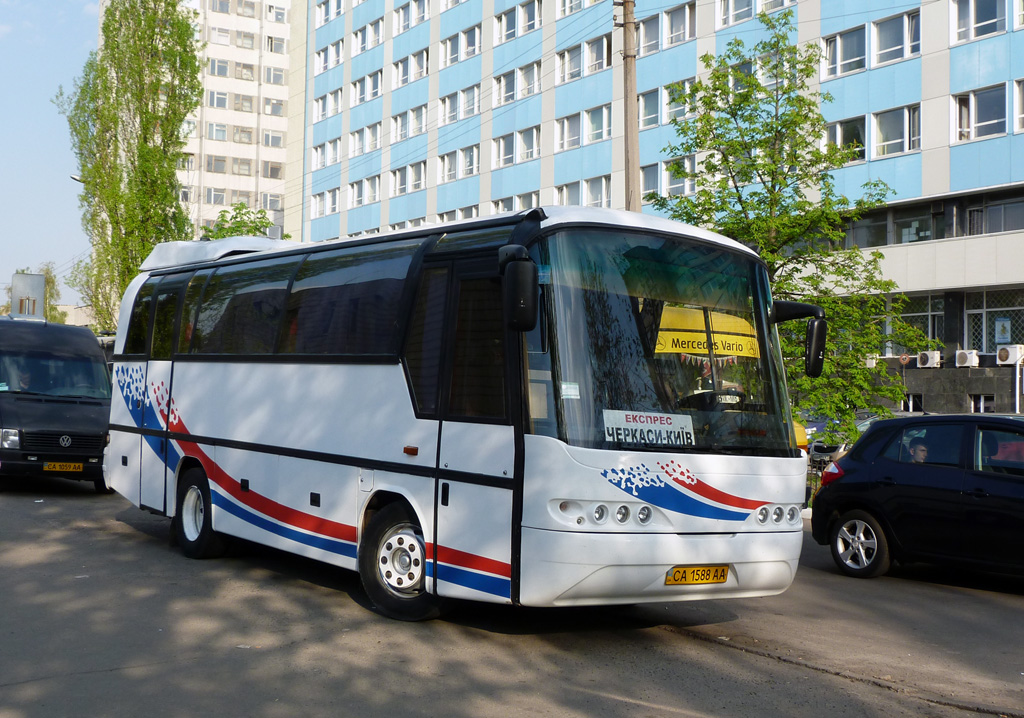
[(53, 373), (651, 342)]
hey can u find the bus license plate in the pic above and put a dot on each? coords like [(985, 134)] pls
[(61, 466), (695, 575)]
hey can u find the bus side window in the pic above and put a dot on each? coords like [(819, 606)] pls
[(163, 316), (478, 367), (138, 324), (424, 338), (190, 309)]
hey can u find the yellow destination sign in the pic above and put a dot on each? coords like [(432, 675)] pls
[(683, 331)]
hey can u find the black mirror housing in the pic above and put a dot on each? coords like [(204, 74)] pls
[(521, 282), (814, 349)]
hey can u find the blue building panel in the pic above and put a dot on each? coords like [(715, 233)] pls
[(583, 163), (671, 65), (455, 195), (410, 150), (517, 179), (982, 163), (894, 85), (328, 129), (366, 12), (973, 65), (516, 53), (366, 62), (653, 142), (460, 76), (901, 172), (324, 179), (841, 15), (412, 40), (366, 114), (332, 79), (360, 219), (516, 115), (407, 206), (412, 95), (459, 134), (583, 25), (324, 228), (365, 165), (462, 16), (850, 96), (584, 93)]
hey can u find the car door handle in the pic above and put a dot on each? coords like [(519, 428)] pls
[(887, 480), (978, 493)]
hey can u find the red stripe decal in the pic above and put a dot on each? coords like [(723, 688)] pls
[(471, 561)]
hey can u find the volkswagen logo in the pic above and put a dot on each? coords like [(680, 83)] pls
[(65, 441)]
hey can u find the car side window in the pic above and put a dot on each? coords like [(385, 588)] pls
[(936, 445), (999, 451)]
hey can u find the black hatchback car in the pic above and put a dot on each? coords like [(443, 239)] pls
[(937, 489)]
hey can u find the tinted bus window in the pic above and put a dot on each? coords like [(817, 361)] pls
[(478, 371), (345, 302), (424, 339), (191, 308), (163, 317), (242, 308), (138, 324)]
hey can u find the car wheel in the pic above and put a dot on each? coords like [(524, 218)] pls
[(859, 546), (193, 521), (101, 486), (393, 566)]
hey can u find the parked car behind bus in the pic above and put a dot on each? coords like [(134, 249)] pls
[(54, 401)]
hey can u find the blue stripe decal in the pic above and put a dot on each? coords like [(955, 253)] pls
[(501, 587), (324, 544)]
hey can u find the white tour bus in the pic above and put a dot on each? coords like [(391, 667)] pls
[(565, 406)]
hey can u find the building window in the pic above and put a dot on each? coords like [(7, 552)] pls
[(216, 163), (410, 15), (528, 200), (218, 68), (649, 109), (272, 138), (981, 113), (529, 79), (366, 88), (517, 21), (599, 120), (333, 103), (469, 161), (243, 135), (322, 13), (471, 101), (898, 37), (568, 129), (978, 18), (215, 195), (844, 52), (320, 61), (649, 35), (275, 44), (218, 100), (569, 194), (599, 54), (216, 131), (898, 131), (276, 107), (570, 64), (734, 11), (598, 191), (504, 150), (678, 109), (275, 13), (272, 75), (650, 177), (448, 168), (247, 71), (847, 132), (681, 23), (273, 170), (220, 5), (449, 109), (676, 184), (529, 143), (505, 88), (368, 36)]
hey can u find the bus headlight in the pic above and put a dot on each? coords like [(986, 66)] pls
[(777, 513), (762, 515), (644, 514), (622, 514), (793, 515), (9, 439), (600, 513)]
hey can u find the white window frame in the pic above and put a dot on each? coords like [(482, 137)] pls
[(687, 14), (834, 64), (568, 195), (570, 64), (449, 109), (965, 112), (469, 101), (528, 142), (598, 54), (835, 134), (648, 39), (505, 88), (569, 132), (909, 120), (469, 161), (964, 23), (646, 117), (734, 11), (529, 79), (604, 131), (680, 186), (504, 151), (908, 47), (603, 185)]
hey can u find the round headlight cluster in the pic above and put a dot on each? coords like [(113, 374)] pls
[(778, 514), (598, 514)]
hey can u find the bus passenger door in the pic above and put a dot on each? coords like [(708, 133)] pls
[(476, 460), (158, 455)]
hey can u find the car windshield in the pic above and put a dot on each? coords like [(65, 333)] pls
[(54, 374), (654, 342)]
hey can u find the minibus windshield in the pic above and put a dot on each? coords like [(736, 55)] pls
[(651, 342), (53, 374)]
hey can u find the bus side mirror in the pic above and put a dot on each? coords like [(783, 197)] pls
[(814, 349), (521, 295)]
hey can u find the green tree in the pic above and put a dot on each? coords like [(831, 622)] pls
[(126, 115), (241, 220), (763, 175), (51, 294)]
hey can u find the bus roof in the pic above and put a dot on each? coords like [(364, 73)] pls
[(174, 254)]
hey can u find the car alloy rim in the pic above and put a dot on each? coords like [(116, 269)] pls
[(856, 543)]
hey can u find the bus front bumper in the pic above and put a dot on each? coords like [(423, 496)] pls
[(577, 569)]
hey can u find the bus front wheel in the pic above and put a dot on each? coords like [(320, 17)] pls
[(393, 566), (193, 521)]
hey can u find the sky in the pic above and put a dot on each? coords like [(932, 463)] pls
[(43, 46)]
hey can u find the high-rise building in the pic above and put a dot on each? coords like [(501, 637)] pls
[(236, 152), (431, 110)]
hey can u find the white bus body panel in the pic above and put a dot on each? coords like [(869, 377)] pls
[(703, 512)]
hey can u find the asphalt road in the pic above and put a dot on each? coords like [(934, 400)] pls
[(100, 616)]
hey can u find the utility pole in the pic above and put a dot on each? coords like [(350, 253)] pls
[(631, 121)]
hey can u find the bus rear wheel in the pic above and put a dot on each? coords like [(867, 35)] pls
[(193, 520), (393, 566)]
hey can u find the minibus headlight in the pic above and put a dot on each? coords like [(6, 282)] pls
[(9, 439)]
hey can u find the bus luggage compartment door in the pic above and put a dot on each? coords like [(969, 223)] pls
[(474, 513)]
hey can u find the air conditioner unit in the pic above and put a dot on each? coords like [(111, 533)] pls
[(1009, 354), (967, 357), (929, 360)]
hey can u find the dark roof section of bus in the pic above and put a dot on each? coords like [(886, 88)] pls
[(31, 334)]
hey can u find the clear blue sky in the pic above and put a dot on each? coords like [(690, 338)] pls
[(43, 45)]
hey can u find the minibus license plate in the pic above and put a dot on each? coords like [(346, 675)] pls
[(61, 466), (694, 575)]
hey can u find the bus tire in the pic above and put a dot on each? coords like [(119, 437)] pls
[(193, 520), (393, 540)]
